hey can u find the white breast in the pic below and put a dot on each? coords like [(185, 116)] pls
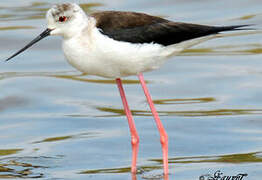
[(96, 54)]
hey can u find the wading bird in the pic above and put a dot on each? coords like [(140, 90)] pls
[(116, 44)]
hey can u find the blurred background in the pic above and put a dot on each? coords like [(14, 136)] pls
[(56, 123)]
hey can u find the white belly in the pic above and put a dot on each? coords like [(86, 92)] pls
[(93, 53), (96, 54), (103, 56)]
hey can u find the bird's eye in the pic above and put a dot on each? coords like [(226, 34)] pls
[(62, 18)]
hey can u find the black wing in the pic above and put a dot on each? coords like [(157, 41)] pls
[(142, 28)]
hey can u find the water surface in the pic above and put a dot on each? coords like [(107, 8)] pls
[(57, 123)]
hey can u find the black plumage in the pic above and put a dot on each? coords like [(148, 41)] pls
[(142, 28)]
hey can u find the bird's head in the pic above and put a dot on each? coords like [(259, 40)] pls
[(66, 20)]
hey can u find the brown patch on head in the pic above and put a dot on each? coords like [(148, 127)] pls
[(61, 9), (65, 7)]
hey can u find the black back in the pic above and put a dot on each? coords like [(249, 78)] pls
[(142, 28)]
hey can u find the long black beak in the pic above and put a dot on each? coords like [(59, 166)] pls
[(38, 38)]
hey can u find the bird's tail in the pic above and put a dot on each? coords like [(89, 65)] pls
[(212, 33), (233, 28), (178, 48)]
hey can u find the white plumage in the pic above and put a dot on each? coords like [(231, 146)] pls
[(94, 53), (97, 54)]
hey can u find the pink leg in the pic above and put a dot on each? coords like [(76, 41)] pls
[(132, 127), (161, 129)]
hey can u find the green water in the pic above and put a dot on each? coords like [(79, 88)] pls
[(56, 123)]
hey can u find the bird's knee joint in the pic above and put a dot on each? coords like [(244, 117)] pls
[(164, 139), (135, 140)]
